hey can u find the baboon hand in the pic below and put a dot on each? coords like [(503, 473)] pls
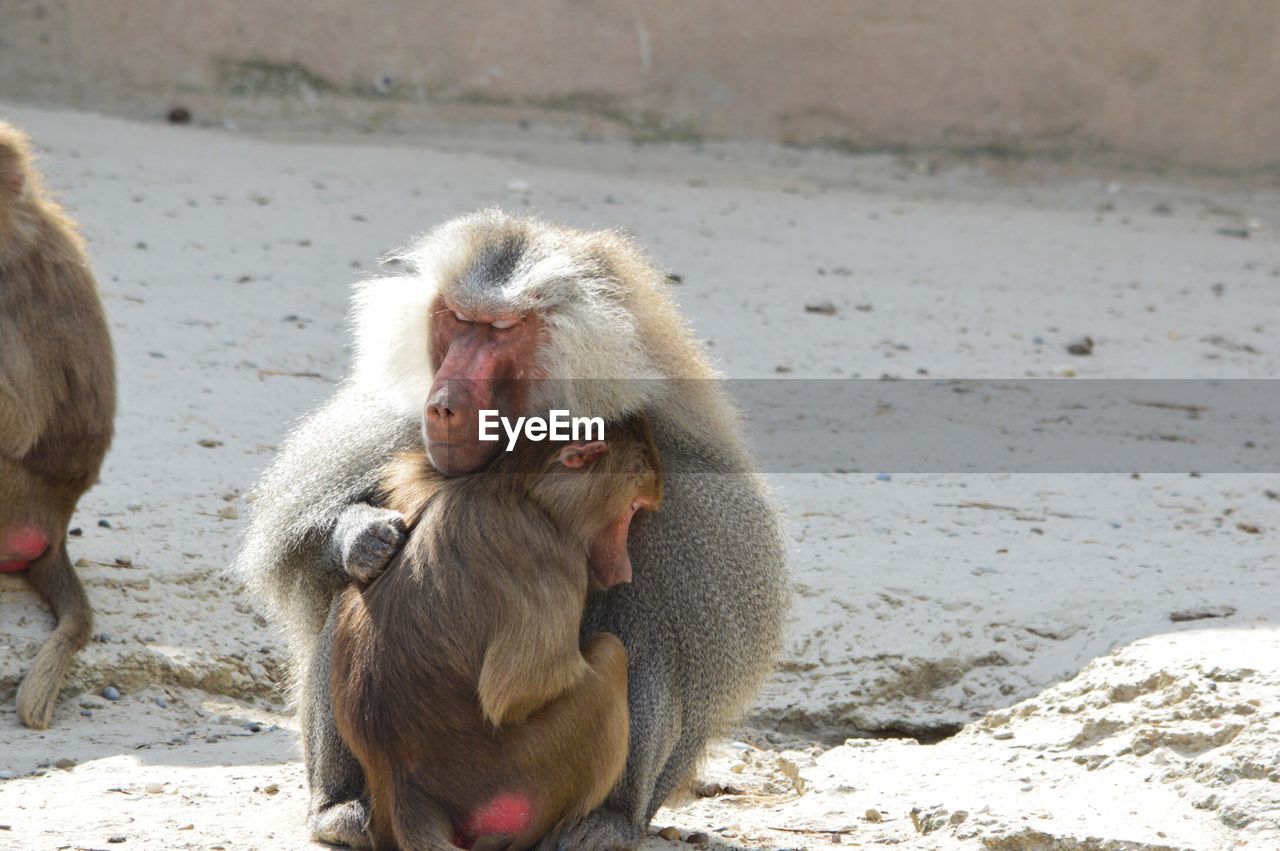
[(368, 539)]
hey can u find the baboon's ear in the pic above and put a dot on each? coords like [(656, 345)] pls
[(577, 455)]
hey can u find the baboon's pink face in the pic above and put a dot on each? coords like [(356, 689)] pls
[(481, 362)]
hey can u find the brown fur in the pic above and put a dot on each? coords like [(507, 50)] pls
[(57, 402), (457, 676)]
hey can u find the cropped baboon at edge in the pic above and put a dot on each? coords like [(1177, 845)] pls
[(494, 300), (458, 681), (57, 402)]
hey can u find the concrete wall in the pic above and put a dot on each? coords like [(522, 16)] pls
[(1185, 82)]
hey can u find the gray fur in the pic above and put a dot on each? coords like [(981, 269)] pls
[(703, 616)]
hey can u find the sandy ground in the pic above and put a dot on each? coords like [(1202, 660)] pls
[(924, 601)]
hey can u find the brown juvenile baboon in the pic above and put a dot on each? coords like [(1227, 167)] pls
[(57, 402), (457, 677), (490, 301)]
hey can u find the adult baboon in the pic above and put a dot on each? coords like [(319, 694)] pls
[(494, 306)]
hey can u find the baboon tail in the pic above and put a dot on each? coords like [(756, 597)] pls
[(56, 580)]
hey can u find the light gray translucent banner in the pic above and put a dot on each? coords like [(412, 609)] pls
[(1012, 426)]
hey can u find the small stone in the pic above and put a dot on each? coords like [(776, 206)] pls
[(76, 532), (670, 834), (873, 816), (708, 790), (65, 764), (209, 443), (271, 789), (253, 727), (153, 788), (162, 703), (699, 839), (1002, 735), (187, 827), (116, 840), (229, 512), (124, 561), (883, 477), (86, 713), (8, 775), (1249, 528), (179, 115), (822, 308), (111, 693), (1203, 613), (105, 524), (1081, 347)]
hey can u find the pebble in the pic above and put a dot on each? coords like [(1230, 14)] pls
[(873, 816), (822, 308), (700, 839), (1083, 346), (883, 477), (65, 764), (162, 703), (670, 834), (253, 727), (153, 788), (8, 775), (116, 840), (105, 524), (111, 693)]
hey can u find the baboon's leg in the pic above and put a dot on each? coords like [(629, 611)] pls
[(338, 814)]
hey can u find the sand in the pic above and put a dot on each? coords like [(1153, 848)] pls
[(924, 601)]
